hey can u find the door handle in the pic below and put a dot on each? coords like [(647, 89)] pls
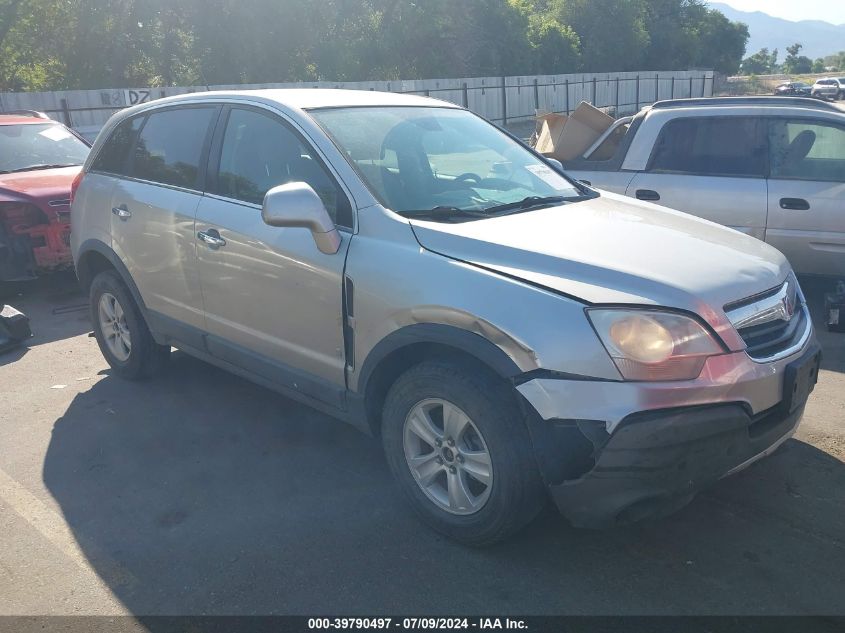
[(212, 238), (647, 194), (794, 204), (122, 212)]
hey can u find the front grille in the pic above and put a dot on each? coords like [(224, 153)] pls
[(775, 337), (773, 324)]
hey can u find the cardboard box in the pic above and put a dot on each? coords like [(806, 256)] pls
[(566, 138), (551, 127)]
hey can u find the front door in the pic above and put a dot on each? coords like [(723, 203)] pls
[(712, 167), (807, 194), (273, 302)]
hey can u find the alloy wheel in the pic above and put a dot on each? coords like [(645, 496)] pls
[(113, 326), (448, 456)]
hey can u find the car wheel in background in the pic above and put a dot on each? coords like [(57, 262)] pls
[(455, 440), (121, 332)]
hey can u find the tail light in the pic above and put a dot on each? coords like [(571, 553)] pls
[(75, 185)]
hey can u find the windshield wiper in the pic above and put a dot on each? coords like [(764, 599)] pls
[(39, 166), (531, 202), (443, 212)]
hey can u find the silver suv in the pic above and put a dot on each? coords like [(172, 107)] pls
[(407, 267), (831, 88)]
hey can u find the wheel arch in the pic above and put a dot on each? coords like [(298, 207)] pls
[(415, 343), (95, 257)]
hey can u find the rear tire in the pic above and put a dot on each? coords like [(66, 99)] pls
[(122, 334), (476, 434)]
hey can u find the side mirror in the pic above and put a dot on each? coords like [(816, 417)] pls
[(296, 204), (556, 163)]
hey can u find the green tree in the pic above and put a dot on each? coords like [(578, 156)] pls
[(720, 43), (796, 64), (56, 44), (554, 47), (835, 61), (760, 63), (613, 34)]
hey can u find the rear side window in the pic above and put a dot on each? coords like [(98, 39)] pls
[(112, 158), (170, 146), (807, 150), (713, 146)]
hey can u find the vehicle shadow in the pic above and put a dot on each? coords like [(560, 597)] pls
[(201, 493)]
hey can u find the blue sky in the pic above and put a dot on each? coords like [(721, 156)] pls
[(827, 10)]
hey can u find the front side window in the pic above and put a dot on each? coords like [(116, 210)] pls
[(113, 156), (260, 152), (170, 145), (419, 160), (33, 146), (713, 146), (807, 150)]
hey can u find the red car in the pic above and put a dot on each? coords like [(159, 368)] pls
[(39, 158)]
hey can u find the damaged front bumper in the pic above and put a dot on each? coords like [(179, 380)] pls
[(652, 462), (655, 462)]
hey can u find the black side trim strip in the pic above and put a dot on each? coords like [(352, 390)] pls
[(550, 374)]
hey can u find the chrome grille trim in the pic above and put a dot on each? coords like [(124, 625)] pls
[(779, 305), (782, 304)]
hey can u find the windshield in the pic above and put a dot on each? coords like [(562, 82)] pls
[(416, 160), (36, 146)]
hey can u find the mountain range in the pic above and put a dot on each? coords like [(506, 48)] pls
[(818, 37)]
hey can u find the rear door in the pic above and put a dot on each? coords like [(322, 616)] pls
[(94, 200), (807, 193), (153, 212), (712, 167)]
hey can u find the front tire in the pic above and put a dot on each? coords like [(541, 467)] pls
[(121, 332), (456, 442)]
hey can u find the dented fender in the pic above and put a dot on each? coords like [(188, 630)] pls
[(405, 294)]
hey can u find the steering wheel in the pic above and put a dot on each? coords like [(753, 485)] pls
[(467, 177)]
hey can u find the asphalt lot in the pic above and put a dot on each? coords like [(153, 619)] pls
[(201, 493)]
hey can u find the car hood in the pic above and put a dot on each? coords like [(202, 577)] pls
[(613, 249), (41, 184)]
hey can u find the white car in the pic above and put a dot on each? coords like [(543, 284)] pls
[(830, 88), (771, 167)]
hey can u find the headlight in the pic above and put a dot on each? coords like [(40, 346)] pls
[(654, 345)]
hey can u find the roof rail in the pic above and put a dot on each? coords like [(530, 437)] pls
[(797, 102), (33, 113)]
